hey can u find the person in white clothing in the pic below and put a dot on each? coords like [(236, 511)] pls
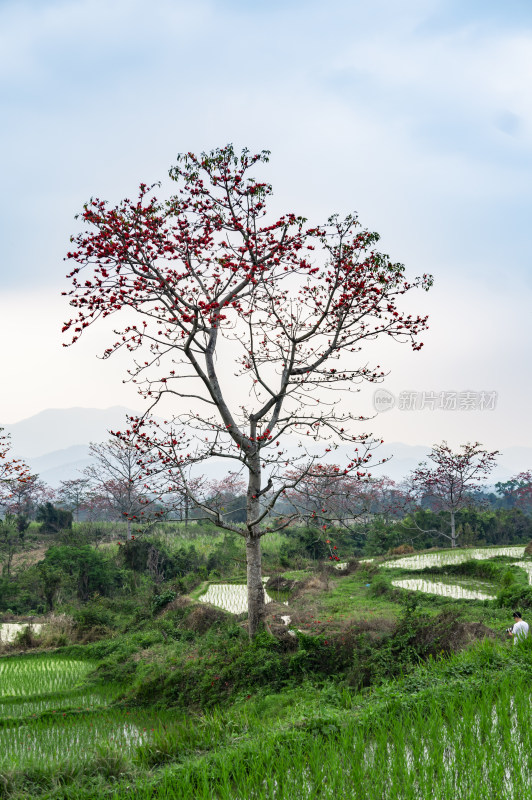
[(519, 629)]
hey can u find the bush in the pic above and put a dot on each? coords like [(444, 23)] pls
[(58, 631), (379, 586), (26, 638), (92, 616), (53, 519), (515, 596), (87, 568), (309, 542), (473, 569), (160, 601), (401, 550)]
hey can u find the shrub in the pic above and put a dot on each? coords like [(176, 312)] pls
[(401, 550), (473, 569), (53, 519), (379, 586), (26, 638), (88, 568), (160, 601), (92, 616), (202, 617), (58, 631), (515, 596)]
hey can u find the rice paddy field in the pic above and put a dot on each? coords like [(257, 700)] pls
[(451, 728), (53, 723), (232, 597), (439, 588), (49, 714), (9, 630), (445, 557), (475, 747)]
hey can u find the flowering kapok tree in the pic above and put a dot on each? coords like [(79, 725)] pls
[(324, 493), (118, 484), (517, 491), (256, 322), (453, 482), (22, 496), (11, 469), (72, 495)]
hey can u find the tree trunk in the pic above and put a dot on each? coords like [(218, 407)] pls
[(253, 552), (255, 585), (453, 530), (186, 510)]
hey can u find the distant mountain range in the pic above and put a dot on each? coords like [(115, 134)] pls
[(55, 444)]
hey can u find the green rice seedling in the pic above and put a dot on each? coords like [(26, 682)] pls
[(21, 677), (79, 699), (457, 556), (50, 741), (231, 597), (471, 745)]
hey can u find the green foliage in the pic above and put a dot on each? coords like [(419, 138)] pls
[(309, 542), (225, 554), (382, 536), (380, 585), (515, 596), (22, 522), (93, 616), (50, 579), (9, 539), (474, 526), (161, 600), (86, 568), (53, 519), (483, 569)]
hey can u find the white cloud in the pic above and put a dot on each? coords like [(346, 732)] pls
[(365, 107)]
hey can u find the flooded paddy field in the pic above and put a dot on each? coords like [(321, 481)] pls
[(233, 597), (10, 630), (444, 558), (440, 744), (441, 588), (50, 717)]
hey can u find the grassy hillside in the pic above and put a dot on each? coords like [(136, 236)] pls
[(356, 688)]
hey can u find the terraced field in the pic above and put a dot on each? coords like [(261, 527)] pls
[(49, 715)]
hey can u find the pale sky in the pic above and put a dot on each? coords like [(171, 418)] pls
[(417, 115)]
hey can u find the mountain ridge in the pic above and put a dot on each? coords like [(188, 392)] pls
[(55, 444)]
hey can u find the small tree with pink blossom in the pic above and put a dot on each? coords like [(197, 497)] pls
[(452, 483), (518, 490), (11, 469)]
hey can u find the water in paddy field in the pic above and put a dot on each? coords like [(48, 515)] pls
[(77, 723), (9, 630), (443, 589), (527, 566), (230, 597), (428, 560), (48, 741)]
